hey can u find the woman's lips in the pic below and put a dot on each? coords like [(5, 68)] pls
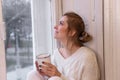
[(56, 31)]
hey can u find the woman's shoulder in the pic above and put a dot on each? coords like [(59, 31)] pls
[(88, 50), (88, 53)]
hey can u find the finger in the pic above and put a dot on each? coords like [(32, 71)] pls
[(37, 66), (41, 72), (45, 68), (36, 63), (46, 72), (48, 64), (50, 73)]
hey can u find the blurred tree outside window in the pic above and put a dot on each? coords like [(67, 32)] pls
[(18, 44)]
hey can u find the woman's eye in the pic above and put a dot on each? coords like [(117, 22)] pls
[(60, 23)]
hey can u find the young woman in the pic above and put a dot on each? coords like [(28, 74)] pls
[(73, 61)]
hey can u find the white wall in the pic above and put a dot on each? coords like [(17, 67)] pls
[(91, 11), (112, 39)]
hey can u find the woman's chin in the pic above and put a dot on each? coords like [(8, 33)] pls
[(55, 37)]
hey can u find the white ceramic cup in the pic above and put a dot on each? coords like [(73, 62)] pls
[(43, 58)]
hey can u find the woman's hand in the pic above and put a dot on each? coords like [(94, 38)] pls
[(39, 70), (48, 69)]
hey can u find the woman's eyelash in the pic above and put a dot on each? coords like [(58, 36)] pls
[(60, 23)]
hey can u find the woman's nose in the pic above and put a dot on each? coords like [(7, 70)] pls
[(55, 27)]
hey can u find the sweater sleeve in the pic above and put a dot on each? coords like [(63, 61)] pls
[(61, 78), (91, 70)]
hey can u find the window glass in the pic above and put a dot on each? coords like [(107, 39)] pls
[(18, 44)]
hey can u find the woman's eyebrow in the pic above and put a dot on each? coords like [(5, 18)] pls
[(61, 21)]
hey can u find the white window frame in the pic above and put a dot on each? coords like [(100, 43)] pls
[(2, 50)]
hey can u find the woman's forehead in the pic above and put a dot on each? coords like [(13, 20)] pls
[(63, 19)]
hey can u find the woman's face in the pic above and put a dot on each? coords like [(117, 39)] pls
[(61, 29)]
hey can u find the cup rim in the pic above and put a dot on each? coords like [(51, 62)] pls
[(46, 56)]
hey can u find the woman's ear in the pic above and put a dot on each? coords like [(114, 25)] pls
[(72, 33)]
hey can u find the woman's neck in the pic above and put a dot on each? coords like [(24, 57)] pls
[(68, 50)]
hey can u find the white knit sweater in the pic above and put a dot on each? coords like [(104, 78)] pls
[(82, 65)]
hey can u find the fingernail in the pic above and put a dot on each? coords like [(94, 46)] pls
[(40, 65), (43, 62)]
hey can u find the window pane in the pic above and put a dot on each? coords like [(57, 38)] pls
[(18, 44)]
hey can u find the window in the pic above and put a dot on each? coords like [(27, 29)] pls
[(29, 27), (18, 44)]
